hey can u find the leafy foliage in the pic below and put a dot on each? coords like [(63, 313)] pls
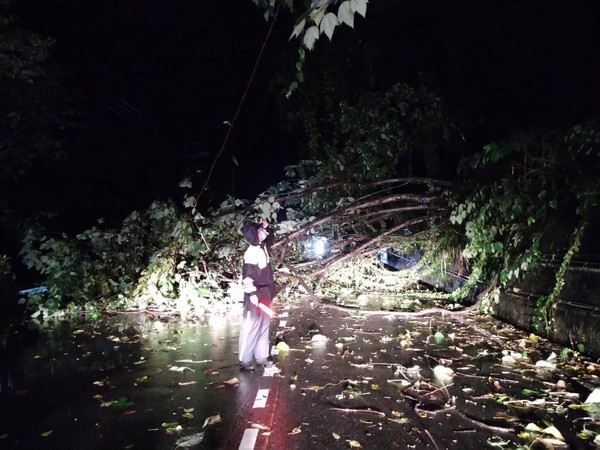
[(545, 303), (27, 117), (22, 54), (163, 260), (35, 112), (317, 18), (96, 265), (522, 184), (402, 131)]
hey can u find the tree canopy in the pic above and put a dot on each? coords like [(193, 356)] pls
[(36, 114)]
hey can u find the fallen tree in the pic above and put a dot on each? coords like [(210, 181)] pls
[(491, 226)]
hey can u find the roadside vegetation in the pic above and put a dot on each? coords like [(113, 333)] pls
[(386, 167), (183, 261)]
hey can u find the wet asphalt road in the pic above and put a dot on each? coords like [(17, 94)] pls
[(333, 390), (371, 381), (344, 382)]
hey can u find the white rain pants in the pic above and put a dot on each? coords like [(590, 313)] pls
[(254, 336)]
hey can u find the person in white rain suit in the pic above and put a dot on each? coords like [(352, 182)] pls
[(259, 287)]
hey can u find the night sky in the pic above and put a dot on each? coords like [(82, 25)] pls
[(159, 78)]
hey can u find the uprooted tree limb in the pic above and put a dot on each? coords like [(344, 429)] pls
[(371, 217), (200, 264)]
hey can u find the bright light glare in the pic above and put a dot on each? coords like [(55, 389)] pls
[(319, 247), (316, 247)]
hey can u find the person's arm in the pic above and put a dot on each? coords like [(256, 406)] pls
[(270, 239), (250, 273), (250, 289)]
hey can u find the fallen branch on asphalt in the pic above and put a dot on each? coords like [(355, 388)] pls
[(495, 429), (318, 388), (432, 440), (359, 410), (426, 312)]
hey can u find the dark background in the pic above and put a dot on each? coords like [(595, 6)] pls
[(158, 79)]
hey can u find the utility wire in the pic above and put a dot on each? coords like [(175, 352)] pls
[(237, 112)]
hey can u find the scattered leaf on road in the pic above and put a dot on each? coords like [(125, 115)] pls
[(191, 361), (232, 382), (189, 441), (120, 403), (439, 338), (401, 420), (180, 369), (313, 388), (282, 347), (553, 431), (212, 420)]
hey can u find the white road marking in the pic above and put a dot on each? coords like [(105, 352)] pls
[(261, 398), (282, 323), (249, 439)]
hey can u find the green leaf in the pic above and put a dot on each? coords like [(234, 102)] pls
[(503, 276), (186, 183), (345, 14), (189, 201), (495, 154), (190, 441), (497, 247), (359, 6), (328, 24), (122, 403), (317, 15), (298, 29), (531, 393), (203, 292), (292, 87), (310, 37)]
